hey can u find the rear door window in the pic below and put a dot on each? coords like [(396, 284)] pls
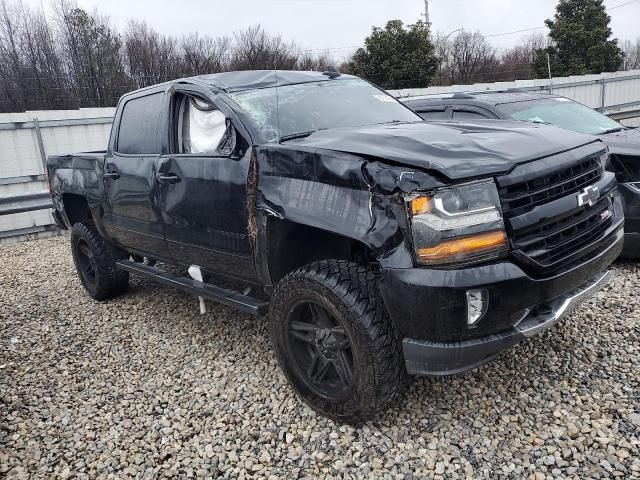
[(438, 114), (139, 123), (468, 114)]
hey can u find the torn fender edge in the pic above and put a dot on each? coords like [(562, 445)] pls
[(339, 193)]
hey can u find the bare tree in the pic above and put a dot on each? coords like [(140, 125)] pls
[(471, 58), (11, 65), (518, 62), (30, 64), (308, 61), (204, 54), (93, 55), (443, 47), (255, 49), (150, 57), (631, 54)]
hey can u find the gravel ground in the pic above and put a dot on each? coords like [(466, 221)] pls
[(143, 386)]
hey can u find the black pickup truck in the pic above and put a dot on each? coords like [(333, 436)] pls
[(380, 245)]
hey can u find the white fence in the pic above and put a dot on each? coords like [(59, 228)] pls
[(27, 138)]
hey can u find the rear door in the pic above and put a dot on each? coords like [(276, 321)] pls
[(133, 217)]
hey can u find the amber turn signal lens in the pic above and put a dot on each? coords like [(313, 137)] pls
[(420, 205), (453, 249)]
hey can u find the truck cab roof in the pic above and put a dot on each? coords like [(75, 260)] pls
[(245, 80), (255, 79)]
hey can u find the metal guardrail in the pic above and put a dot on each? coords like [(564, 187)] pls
[(63, 122), (26, 202)]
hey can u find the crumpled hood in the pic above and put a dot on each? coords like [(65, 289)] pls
[(454, 149), (624, 142)]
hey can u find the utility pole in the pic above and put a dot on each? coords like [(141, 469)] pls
[(426, 18), (426, 13)]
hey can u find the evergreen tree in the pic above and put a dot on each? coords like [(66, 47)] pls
[(397, 56), (581, 39)]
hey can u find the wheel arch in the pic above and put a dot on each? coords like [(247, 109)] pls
[(76, 208), (291, 245)]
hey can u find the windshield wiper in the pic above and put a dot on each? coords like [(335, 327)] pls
[(611, 130), (540, 122), (391, 122), (295, 136)]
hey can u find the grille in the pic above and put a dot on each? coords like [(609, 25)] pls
[(523, 197), (552, 242), (562, 236)]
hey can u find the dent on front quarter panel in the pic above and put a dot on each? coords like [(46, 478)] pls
[(340, 193)]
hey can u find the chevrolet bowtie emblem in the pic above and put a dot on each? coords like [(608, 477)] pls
[(589, 196)]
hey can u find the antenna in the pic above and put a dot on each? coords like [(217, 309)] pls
[(275, 72)]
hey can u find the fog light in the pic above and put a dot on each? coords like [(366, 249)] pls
[(477, 303)]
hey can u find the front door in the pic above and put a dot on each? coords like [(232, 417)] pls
[(132, 217), (203, 191)]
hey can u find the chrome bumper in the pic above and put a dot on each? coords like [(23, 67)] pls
[(549, 314)]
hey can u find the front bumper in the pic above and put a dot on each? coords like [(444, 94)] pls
[(432, 358), (429, 306)]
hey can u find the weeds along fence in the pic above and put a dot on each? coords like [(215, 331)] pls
[(27, 138)]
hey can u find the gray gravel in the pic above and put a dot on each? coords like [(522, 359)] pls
[(143, 386)]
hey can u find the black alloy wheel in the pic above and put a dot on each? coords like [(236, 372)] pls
[(86, 262), (322, 349), (95, 262), (335, 342)]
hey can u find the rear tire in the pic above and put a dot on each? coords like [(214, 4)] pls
[(95, 262), (335, 342)]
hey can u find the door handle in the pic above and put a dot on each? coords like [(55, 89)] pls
[(168, 178), (112, 175)]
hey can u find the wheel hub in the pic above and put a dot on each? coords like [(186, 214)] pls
[(321, 348), (326, 343)]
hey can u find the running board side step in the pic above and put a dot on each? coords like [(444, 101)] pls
[(211, 292)]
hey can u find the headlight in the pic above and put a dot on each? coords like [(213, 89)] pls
[(458, 225)]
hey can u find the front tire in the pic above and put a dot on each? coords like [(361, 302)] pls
[(95, 262), (335, 341)]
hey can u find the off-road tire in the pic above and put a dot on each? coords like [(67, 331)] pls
[(350, 293), (108, 281)]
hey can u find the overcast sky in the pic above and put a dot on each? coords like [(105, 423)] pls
[(335, 24)]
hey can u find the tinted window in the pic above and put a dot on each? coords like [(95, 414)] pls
[(138, 132), (458, 114), (562, 112), (432, 114)]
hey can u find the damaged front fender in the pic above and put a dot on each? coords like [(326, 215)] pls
[(340, 193)]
